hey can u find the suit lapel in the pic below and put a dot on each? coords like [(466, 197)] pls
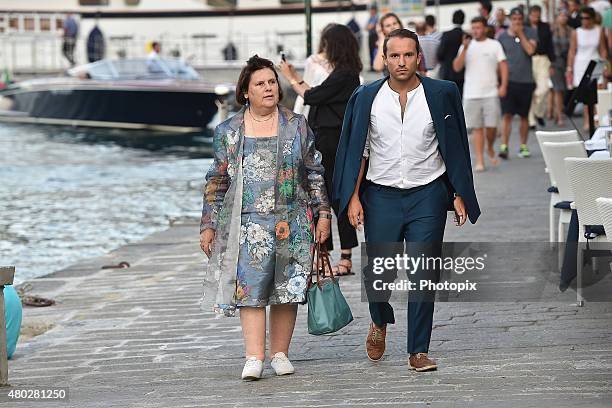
[(365, 105), (436, 109), (372, 89)]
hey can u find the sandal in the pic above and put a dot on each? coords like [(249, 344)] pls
[(347, 268)]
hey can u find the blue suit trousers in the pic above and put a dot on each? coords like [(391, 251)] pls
[(415, 218)]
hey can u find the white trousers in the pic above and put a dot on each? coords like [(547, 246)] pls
[(541, 74)]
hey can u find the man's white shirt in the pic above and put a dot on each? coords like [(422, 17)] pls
[(481, 60), (402, 153)]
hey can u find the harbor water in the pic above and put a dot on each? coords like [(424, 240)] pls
[(69, 194)]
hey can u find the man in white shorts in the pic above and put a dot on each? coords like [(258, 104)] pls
[(482, 58)]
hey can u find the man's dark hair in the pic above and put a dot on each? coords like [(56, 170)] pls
[(535, 8), (154, 44), (487, 6), (458, 17), (479, 19), (430, 20), (389, 15), (401, 33), (517, 10), (341, 48), (255, 63)]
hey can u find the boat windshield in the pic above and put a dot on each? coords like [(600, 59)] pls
[(144, 68)]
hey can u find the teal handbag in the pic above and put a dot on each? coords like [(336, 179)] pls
[(328, 311)]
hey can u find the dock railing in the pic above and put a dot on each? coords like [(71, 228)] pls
[(42, 52)]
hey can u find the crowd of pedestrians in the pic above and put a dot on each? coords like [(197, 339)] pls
[(505, 64), (509, 63)]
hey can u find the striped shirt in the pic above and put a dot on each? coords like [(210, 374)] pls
[(429, 47)]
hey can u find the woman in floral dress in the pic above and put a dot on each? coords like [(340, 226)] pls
[(263, 191)]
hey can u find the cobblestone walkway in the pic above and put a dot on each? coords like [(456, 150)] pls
[(136, 338)]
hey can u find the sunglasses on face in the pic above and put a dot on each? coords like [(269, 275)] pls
[(585, 17)]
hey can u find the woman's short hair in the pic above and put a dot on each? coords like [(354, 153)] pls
[(389, 15), (341, 48), (255, 63)]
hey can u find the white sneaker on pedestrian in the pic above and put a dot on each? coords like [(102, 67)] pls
[(253, 368), (281, 364)]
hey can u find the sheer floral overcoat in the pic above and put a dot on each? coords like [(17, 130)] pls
[(299, 194)]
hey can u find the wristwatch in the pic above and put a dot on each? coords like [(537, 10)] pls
[(293, 82), (325, 215)]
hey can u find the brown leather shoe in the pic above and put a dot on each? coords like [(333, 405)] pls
[(375, 342), (420, 362)]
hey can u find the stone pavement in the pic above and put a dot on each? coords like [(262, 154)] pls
[(136, 337)]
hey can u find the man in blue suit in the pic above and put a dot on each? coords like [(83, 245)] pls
[(402, 162)]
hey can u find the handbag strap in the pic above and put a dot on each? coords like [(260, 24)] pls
[(322, 258)]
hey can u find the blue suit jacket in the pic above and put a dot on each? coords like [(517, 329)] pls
[(447, 113)]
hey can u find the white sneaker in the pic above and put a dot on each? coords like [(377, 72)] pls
[(253, 368), (281, 364)]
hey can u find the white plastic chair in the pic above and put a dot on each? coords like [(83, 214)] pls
[(604, 205), (589, 180), (554, 154), (557, 136), (553, 136)]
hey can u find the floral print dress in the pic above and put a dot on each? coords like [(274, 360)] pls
[(256, 284), (299, 195)]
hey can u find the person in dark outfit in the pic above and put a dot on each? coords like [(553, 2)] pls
[(327, 105), (403, 160), (71, 32), (574, 19), (372, 34), (96, 48), (542, 59), (449, 45)]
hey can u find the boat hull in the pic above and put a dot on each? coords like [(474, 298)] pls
[(169, 110)]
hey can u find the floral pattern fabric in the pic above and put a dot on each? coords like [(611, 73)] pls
[(256, 284), (298, 194)]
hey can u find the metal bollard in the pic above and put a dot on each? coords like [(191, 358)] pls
[(7, 274)]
